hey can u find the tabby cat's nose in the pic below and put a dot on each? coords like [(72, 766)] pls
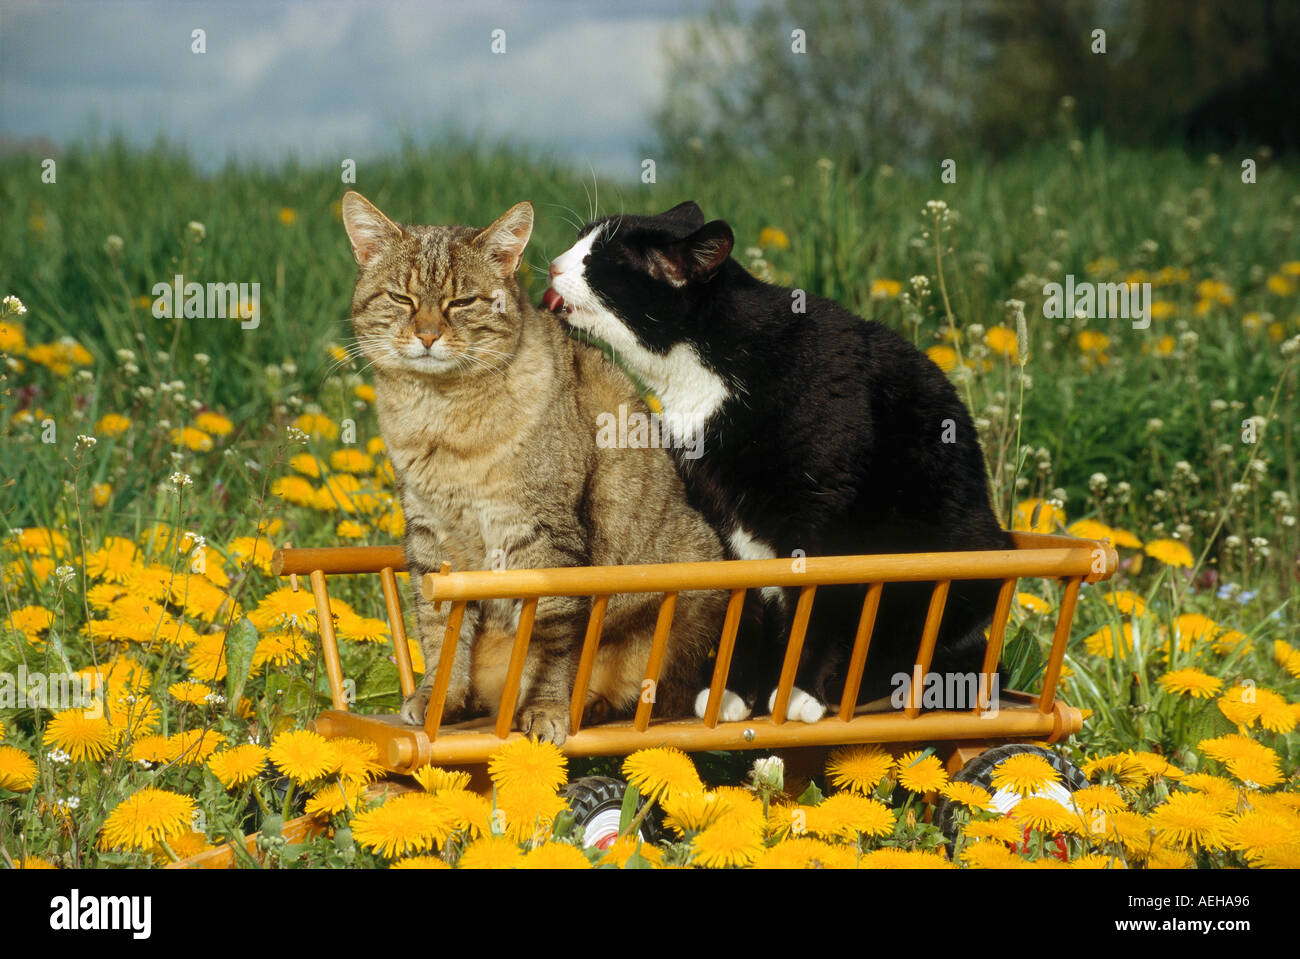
[(428, 339)]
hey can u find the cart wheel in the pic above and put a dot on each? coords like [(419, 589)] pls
[(597, 803), (979, 771)]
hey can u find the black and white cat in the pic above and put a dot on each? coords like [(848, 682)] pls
[(822, 432)]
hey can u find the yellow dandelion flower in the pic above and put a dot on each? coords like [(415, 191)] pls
[(351, 461), (969, 794), (1222, 791), (1035, 604), (1235, 746), (921, 774), (435, 779), (1043, 814), (195, 745), (622, 849), (848, 815), (1096, 860), (1103, 643), (295, 490), (1257, 833), (859, 768), (688, 812), (1127, 602), (153, 749), (555, 855), (288, 215), (1049, 516), (334, 798), (1002, 340), (303, 755), (944, 357), (806, 853), (1287, 656), (31, 621), (527, 762), (356, 760), (183, 844), (17, 769), (1104, 798), (1239, 704), (306, 464), (237, 766), (1275, 713), (492, 852), (191, 438), (283, 607), (1190, 820), (996, 830), (1190, 682), (1170, 552), (350, 529), (991, 855), (658, 773), (362, 629), (468, 811), (281, 648), (882, 289), (1024, 774), (149, 817), (1256, 772), (80, 735), (35, 862), (726, 844), (420, 862), (194, 693), (411, 822), (889, 858), (317, 426), (528, 810)]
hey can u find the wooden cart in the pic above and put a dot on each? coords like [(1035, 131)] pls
[(959, 736), (1015, 716)]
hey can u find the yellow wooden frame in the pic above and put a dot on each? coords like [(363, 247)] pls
[(1019, 716)]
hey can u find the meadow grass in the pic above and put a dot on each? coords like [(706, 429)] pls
[(1146, 434)]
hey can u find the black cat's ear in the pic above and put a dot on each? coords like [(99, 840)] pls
[(698, 257), (504, 240), (687, 213), (368, 229)]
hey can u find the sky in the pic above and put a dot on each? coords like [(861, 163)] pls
[(327, 80)]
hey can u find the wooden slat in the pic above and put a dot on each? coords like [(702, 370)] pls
[(1060, 639), (738, 574), (401, 651), (586, 663), (722, 665), (660, 642), (793, 648), (861, 644), (438, 698), (925, 655), (328, 641), (515, 671), (338, 559), (997, 637)]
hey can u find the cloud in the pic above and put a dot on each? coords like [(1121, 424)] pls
[(321, 80)]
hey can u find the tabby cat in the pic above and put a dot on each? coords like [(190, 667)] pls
[(489, 411), (823, 433)]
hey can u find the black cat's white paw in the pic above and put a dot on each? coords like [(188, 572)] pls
[(804, 707), (733, 708)]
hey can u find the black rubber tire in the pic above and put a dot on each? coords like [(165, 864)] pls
[(596, 799), (979, 771)]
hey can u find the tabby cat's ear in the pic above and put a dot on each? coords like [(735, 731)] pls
[(687, 213), (504, 240), (368, 229), (698, 257)]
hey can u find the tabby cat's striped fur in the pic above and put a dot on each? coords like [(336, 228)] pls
[(489, 413)]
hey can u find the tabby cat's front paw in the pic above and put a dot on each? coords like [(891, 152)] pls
[(415, 706), (545, 722), (732, 710)]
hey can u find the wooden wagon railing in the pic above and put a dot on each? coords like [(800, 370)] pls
[(403, 747)]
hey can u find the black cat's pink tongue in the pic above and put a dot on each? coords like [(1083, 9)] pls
[(551, 300)]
